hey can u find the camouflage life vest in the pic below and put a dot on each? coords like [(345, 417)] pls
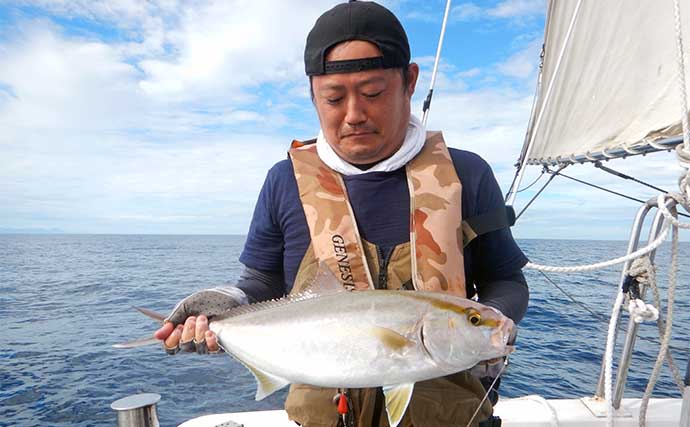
[(436, 227)]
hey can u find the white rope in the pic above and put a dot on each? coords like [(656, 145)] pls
[(661, 202), (664, 210), (661, 326), (606, 154), (589, 267), (631, 150), (589, 157), (681, 76), (608, 357), (641, 311), (657, 145), (667, 332)]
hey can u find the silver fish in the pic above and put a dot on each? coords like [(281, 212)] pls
[(330, 337)]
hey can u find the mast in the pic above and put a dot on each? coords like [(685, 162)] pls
[(427, 101)]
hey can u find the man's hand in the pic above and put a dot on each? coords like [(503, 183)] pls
[(186, 329), (194, 335)]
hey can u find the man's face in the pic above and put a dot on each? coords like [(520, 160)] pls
[(363, 115)]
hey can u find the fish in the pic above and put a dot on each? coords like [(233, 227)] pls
[(328, 336)]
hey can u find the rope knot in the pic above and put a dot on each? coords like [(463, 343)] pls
[(641, 272), (640, 311)]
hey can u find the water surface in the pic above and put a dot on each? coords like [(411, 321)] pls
[(64, 299)]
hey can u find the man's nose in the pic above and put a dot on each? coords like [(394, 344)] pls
[(355, 115)]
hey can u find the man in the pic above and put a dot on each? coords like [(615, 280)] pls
[(382, 203)]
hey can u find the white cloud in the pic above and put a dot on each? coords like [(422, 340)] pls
[(65, 84), (466, 12), (472, 72), (507, 9), (115, 182), (523, 64), (518, 8), (86, 149), (171, 124)]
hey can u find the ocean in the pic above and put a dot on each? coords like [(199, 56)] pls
[(65, 299)]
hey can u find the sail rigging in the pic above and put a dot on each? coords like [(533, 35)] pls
[(605, 93)]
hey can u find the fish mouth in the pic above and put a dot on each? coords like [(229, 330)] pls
[(501, 336)]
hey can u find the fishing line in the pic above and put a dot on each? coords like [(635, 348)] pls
[(488, 391)]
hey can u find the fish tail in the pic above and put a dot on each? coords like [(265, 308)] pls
[(138, 343), (146, 340)]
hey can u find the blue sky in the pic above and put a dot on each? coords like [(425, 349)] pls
[(123, 116)]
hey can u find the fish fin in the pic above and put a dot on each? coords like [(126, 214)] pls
[(266, 384), (325, 282), (150, 313), (397, 399), (391, 339), (138, 343)]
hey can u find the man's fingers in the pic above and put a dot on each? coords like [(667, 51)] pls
[(189, 327), (212, 342), (174, 339), (201, 328), (194, 335), (187, 339), (164, 332)]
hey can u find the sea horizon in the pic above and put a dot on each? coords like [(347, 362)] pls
[(61, 233)]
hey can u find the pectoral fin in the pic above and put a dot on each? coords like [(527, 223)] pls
[(391, 339), (266, 384), (397, 399)]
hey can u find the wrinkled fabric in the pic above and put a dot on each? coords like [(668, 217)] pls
[(412, 145), (314, 406), (435, 219)]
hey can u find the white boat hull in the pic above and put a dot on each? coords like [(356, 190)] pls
[(527, 411)]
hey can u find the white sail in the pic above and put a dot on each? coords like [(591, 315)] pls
[(609, 82)]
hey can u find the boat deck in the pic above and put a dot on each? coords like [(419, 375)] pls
[(527, 411)]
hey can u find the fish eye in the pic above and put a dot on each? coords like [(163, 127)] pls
[(474, 318)]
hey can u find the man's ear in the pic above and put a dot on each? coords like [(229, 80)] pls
[(412, 75)]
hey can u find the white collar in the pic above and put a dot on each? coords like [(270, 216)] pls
[(414, 141)]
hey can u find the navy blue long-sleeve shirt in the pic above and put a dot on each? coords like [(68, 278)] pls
[(279, 234)]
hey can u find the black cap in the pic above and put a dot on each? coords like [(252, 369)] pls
[(356, 20)]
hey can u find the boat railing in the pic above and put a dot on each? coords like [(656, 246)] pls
[(632, 328)]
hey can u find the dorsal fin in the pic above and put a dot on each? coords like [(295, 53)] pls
[(325, 282)]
